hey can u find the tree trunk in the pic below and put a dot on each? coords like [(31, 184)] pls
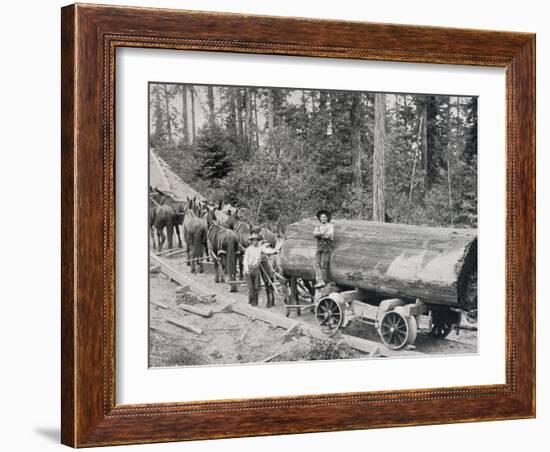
[(184, 116), (323, 114), (256, 125), (378, 164), (240, 126), (249, 123), (437, 265), (270, 115), (167, 106), (449, 177), (193, 120), (424, 141), (158, 136), (416, 152), (210, 95), (356, 151)]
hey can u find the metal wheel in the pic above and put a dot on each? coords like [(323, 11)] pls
[(329, 315), (395, 330)]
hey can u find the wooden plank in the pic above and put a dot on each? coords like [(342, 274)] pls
[(180, 278), (263, 315), (185, 325), (194, 310), (160, 305), (171, 252)]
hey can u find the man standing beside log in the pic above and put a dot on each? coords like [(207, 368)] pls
[(254, 257), (324, 233)]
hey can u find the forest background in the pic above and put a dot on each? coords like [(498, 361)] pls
[(281, 154)]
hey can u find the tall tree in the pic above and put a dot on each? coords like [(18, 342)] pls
[(159, 134), (470, 146), (424, 138), (270, 113), (184, 115), (240, 108), (193, 119), (449, 143), (256, 125), (356, 148), (167, 108), (378, 163), (249, 122), (210, 98)]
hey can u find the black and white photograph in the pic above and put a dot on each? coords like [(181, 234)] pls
[(296, 224)]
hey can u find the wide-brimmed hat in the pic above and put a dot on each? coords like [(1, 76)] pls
[(254, 236), (326, 212)]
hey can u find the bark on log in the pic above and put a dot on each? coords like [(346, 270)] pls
[(437, 265)]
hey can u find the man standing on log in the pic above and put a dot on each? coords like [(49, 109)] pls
[(324, 233)]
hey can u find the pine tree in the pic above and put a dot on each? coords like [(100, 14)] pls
[(212, 153)]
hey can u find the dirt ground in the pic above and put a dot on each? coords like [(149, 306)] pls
[(229, 338)]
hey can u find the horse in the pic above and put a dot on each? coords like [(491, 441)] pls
[(162, 217), (152, 215), (224, 246), (178, 206), (195, 236)]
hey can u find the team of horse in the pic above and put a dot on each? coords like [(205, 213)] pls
[(206, 237)]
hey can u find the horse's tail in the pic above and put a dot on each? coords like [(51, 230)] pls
[(198, 239), (211, 238), (232, 244)]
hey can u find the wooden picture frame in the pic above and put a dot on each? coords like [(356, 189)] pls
[(90, 36)]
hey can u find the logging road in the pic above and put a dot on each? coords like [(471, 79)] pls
[(232, 338)]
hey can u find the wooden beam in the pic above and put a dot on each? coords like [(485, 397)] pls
[(194, 310), (180, 278), (185, 325), (263, 315)]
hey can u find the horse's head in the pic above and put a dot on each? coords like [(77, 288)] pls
[(232, 219), (209, 215)]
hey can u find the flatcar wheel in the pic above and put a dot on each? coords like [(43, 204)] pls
[(329, 315), (394, 330), (441, 329)]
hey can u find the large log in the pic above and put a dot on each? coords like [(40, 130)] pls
[(437, 265)]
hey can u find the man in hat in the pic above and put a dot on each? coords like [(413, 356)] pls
[(253, 258), (324, 233)]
